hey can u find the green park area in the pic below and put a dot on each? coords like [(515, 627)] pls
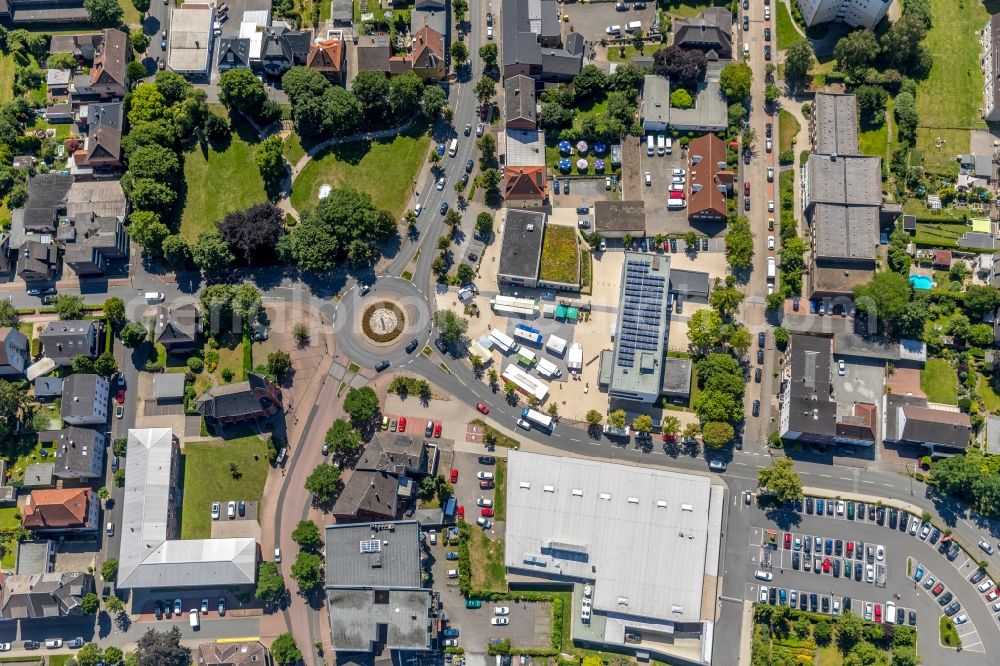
[(950, 97), (385, 169), (220, 179), (939, 381), (220, 470)]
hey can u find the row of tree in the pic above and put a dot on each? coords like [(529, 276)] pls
[(559, 104)]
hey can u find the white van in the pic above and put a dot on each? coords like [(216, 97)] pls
[(613, 30), (632, 26), (676, 203), (110, 529), (670, 145), (650, 144), (195, 618), (661, 144), (453, 148), (154, 296), (746, 50), (452, 573)]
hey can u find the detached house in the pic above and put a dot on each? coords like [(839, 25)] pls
[(70, 510), (282, 49), (85, 399), (177, 327), (45, 595), (711, 181), (79, 452), (244, 402), (710, 32), (102, 148), (525, 187), (108, 79), (520, 106), (62, 340), (13, 352), (329, 57)]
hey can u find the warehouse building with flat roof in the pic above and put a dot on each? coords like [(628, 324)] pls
[(647, 541)]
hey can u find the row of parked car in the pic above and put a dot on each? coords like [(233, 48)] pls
[(811, 601), (50, 644)]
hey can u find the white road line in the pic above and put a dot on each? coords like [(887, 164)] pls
[(868, 482), (845, 478), (825, 476)]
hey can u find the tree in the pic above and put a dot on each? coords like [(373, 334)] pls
[(850, 629), (726, 299), (82, 363), (176, 251), (114, 310), (739, 244), (589, 83), (459, 53), (671, 426), (90, 654), (133, 334), (735, 80), (459, 7), (684, 67), (90, 603), (255, 231), (704, 330), (866, 654), (61, 61), (681, 99), (211, 252), (799, 59), (781, 337), (113, 656), (343, 438), (871, 104), (616, 419), (905, 656), (781, 479), (642, 423), (594, 417), (361, 405), (465, 273), (300, 83), (855, 52), (902, 48), (241, 91), (109, 570), (323, 482), (488, 54), (149, 195), (155, 163), (146, 229), (405, 92), (484, 224), (980, 299), (717, 364), (307, 535), (884, 296), (104, 13), (554, 116), (487, 145), (8, 314), (718, 406), (106, 365), (432, 101), (68, 306), (270, 583), (822, 632), (285, 651), (372, 90), (141, 6), (905, 112), (246, 302), (270, 161), (307, 571), (691, 432), (771, 93), (485, 89), (162, 648), (716, 434), (451, 326)]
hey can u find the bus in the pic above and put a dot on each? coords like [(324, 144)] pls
[(539, 419)]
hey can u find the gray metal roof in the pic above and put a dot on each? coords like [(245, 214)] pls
[(373, 555), (992, 436), (845, 232), (168, 385), (39, 475), (644, 532), (835, 124), (810, 408), (80, 394), (519, 100), (853, 180), (690, 284), (708, 113), (148, 557), (33, 557), (521, 248), (655, 99), (356, 618), (676, 377)]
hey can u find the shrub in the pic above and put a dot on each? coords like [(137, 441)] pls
[(195, 364), (227, 374)]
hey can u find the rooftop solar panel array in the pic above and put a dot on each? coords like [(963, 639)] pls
[(642, 310)]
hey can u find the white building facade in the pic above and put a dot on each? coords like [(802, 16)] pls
[(855, 13)]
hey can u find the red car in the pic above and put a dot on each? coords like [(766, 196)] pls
[(461, 512), (850, 548), (120, 396), (483, 408), (788, 541), (669, 438), (677, 194), (826, 565), (878, 612), (485, 485), (402, 424), (454, 476), (938, 589), (746, 188), (487, 512), (437, 429)]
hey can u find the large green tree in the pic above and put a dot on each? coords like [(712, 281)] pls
[(716, 434), (270, 583), (285, 651), (307, 535), (307, 571), (343, 438), (799, 59), (855, 52), (361, 404), (323, 483), (739, 244), (211, 252), (884, 296), (241, 91), (735, 80), (781, 479), (104, 13)]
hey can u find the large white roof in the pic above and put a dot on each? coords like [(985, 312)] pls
[(148, 558), (642, 535)]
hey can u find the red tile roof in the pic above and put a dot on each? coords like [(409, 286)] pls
[(525, 183), (53, 509), (704, 176), (326, 55)]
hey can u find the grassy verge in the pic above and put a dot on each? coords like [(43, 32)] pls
[(648, 49), (208, 478), (788, 128), (486, 558), (939, 381), (947, 632), (293, 149), (952, 93), (219, 182), (560, 255), (787, 34), (500, 490), (385, 169), (587, 273), (500, 439)]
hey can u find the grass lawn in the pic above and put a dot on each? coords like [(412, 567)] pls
[(207, 479), (787, 34), (219, 182), (500, 492), (876, 141), (829, 655), (691, 8), (939, 235), (560, 255), (486, 560), (6, 78), (939, 381), (788, 128), (9, 520), (952, 94), (292, 149), (230, 356), (131, 14), (500, 438), (385, 169), (62, 129), (590, 108), (648, 49), (948, 633), (987, 393)]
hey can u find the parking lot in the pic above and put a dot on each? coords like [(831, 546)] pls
[(908, 567), (660, 220), (592, 20)]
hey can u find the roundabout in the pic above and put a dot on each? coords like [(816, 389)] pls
[(378, 325)]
